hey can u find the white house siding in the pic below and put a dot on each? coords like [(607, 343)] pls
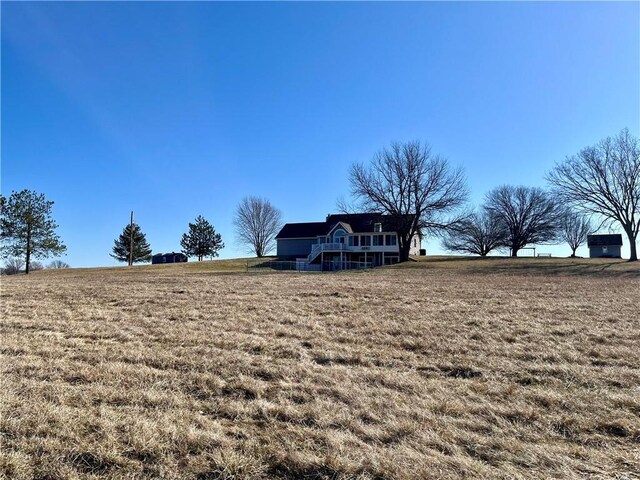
[(415, 250)]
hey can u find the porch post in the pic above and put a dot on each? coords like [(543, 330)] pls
[(321, 261), (365, 259), (382, 258)]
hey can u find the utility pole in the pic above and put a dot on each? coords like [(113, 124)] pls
[(131, 240)]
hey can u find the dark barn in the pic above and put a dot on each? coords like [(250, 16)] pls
[(604, 246), (172, 257)]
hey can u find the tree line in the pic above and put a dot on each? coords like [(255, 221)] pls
[(425, 195), (421, 192), (256, 223), (28, 231)]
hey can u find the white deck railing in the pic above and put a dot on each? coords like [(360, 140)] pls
[(317, 248)]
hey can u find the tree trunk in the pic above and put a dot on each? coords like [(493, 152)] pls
[(632, 246), (404, 251), (514, 252), (28, 259), (573, 253)]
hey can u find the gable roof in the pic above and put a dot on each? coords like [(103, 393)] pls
[(358, 222), (344, 225), (613, 240)]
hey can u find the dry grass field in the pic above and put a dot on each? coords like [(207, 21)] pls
[(444, 368)]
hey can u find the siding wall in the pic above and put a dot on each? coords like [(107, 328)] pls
[(596, 252), (415, 250), (295, 247)]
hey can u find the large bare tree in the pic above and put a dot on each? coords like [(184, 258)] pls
[(604, 181), (478, 234), (528, 214), (257, 222), (419, 190), (574, 228)]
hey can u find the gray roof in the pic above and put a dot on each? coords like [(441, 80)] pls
[(611, 240)]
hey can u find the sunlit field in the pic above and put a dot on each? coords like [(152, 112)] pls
[(441, 368)]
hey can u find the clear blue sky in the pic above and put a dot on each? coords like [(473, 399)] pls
[(180, 109)]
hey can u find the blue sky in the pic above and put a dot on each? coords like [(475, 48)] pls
[(180, 109)]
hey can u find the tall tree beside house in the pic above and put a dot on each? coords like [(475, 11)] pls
[(477, 234), (574, 229), (528, 215), (604, 181), (257, 222), (122, 245), (419, 190), (27, 228), (201, 240)]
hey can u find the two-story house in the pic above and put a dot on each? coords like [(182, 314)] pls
[(342, 241)]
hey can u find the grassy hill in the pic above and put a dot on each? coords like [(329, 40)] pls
[(445, 367)]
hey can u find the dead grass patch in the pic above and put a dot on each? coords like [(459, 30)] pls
[(434, 369)]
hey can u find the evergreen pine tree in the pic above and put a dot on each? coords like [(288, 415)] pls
[(27, 229), (201, 240), (141, 249)]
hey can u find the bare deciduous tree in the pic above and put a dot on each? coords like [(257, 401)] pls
[(478, 234), (604, 180), (35, 266), (58, 264), (528, 214), (257, 222), (417, 189), (574, 229), (13, 266)]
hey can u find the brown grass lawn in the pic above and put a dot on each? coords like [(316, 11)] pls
[(445, 368)]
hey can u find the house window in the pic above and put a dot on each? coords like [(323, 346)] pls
[(415, 242), (365, 240), (377, 227), (354, 241), (378, 240), (604, 249), (391, 240), (338, 236)]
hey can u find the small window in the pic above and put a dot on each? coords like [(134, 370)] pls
[(415, 242), (604, 249), (354, 241), (378, 240), (365, 240), (377, 227), (391, 240)]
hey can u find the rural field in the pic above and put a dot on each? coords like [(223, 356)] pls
[(439, 369)]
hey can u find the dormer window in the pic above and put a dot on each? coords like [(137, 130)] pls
[(377, 227)]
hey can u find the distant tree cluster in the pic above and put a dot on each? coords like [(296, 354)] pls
[(419, 191), (603, 181)]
